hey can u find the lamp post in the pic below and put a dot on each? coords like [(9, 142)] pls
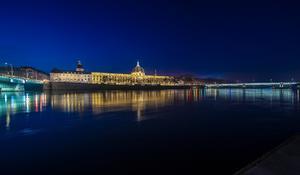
[(11, 68)]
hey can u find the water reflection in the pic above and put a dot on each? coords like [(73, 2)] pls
[(136, 101), (13, 103), (109, 101), (267, 96)]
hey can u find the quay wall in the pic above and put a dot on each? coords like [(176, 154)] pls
[(90, 87), (33, 87)]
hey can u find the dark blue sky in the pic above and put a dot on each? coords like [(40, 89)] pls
[(237, 40)]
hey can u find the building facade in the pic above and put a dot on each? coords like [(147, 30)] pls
[(24, 72), (78, 76), (136, 77)]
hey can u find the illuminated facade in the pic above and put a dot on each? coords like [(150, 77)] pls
[(136, 77), (78, 76)]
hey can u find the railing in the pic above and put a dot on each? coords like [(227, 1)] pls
[(21, 79)]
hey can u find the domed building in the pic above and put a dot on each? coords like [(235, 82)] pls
[(136, 77), (138, 70)]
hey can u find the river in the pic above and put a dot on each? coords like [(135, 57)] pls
[(161, 131)]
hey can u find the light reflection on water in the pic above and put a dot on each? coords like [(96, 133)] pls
[(110, 101), (255, 95), (136, 101), (71, 131)]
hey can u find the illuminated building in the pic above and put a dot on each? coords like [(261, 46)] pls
[(78, 76), (136, 77)]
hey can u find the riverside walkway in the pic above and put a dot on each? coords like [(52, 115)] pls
[(283, 160)]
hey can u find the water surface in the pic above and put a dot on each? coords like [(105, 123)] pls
[(167, 131)]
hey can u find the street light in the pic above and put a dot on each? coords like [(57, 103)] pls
[(11, 68)]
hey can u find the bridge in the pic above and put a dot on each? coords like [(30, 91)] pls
[(256, 85), (15, 84)]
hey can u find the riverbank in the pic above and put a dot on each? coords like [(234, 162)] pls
[(90, 87), (284, 159)]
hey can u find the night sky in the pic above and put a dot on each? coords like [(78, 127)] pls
[(242, 40)]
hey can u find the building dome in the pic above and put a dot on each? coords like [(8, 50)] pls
[(138, 69)]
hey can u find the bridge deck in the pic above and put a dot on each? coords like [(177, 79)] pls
[(271, 84), (13, 83)]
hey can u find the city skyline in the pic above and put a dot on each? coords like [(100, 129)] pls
[(255, 41), (149, 87)]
